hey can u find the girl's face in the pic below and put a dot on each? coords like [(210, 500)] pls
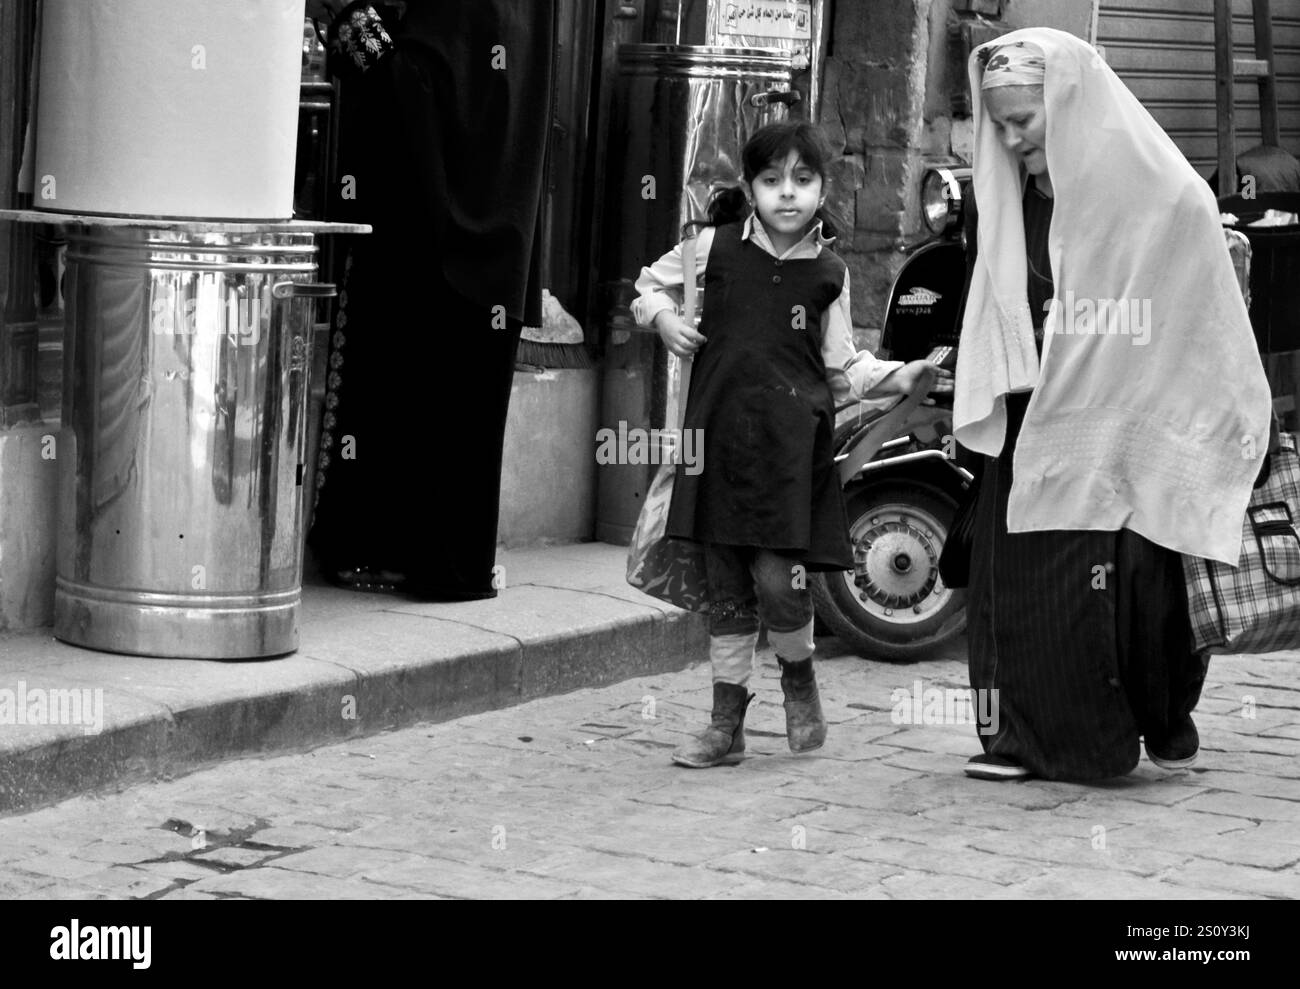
[(1021, 121), (786, 196)]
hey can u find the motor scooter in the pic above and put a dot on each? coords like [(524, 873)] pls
[(902, 474)]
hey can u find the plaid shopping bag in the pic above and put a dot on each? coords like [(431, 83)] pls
[(1256, 607)]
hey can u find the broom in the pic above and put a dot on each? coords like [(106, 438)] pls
[(558, 343)]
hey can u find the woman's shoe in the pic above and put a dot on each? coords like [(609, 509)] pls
[(995, 767), (1179, 750), (724, 740), (1185, 763)]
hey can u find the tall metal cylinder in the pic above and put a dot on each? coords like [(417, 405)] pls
[(185, 375), (679, 117)]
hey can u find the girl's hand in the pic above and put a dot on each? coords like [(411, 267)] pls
[(903, 380), (678, 335)]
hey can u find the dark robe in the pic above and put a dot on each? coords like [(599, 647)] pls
[(444, 132), (1083, 634)]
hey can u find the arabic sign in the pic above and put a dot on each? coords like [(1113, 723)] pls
[(789, 20)]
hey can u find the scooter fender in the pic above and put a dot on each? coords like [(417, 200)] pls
[(925, 302)]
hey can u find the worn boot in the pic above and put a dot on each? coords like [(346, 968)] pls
[(805, 728), (724, 740)]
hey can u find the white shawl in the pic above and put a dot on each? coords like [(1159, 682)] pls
[(1161, 429)]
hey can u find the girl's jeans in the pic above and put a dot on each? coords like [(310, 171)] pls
[(747, 584)]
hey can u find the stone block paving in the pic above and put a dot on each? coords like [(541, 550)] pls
[(574, 797)]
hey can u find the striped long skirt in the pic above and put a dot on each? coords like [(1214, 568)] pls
[(1083, 634)]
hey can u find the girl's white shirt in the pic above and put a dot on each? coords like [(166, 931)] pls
[(850, 372)]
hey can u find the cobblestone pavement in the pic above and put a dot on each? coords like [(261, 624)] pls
[(574, 796)]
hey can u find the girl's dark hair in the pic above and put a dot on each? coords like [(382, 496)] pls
[(771, 143), (726, 204)]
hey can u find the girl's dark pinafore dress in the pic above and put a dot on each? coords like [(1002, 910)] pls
[(759, 395)]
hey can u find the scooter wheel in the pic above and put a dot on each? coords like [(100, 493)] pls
[(893, 606)]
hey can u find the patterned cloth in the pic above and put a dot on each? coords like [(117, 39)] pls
[(1016, 64), (358, 34), (1255, 607)]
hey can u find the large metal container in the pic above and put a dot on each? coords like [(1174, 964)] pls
[(797, 26), (185, 379), (679, 117)]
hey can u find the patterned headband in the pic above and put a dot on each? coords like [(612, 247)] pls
[(1015, 64)]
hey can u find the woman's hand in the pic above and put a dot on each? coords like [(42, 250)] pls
[(678, 335), (903, 380)]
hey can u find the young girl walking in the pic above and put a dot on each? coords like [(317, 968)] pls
[(773, 356)]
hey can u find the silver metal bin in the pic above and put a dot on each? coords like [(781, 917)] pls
[(181, 456)]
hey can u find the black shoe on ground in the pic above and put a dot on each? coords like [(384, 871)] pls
[(995, 767), (1178, 751)]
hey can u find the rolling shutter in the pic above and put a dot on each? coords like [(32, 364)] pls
[(1164, 52)]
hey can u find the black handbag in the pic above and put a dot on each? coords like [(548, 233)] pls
[(954, 558)]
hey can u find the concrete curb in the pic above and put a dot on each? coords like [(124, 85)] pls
[(565, 620)]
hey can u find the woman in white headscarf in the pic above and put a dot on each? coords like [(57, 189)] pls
[(1108, 373)]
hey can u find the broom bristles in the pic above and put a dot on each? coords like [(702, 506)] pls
[(554, 355)]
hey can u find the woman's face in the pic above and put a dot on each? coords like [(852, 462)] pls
[(1021, 121)]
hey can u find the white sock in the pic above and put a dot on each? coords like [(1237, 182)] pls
[(732, 657), (792, 646)]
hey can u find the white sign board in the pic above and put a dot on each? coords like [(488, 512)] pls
[(787, 20)]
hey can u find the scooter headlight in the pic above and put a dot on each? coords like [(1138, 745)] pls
[(940, 200)]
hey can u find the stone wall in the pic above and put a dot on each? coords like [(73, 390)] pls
[(871, 112), (896, 93)]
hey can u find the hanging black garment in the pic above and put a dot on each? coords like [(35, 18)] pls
[(759, 395), (444, 124)]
